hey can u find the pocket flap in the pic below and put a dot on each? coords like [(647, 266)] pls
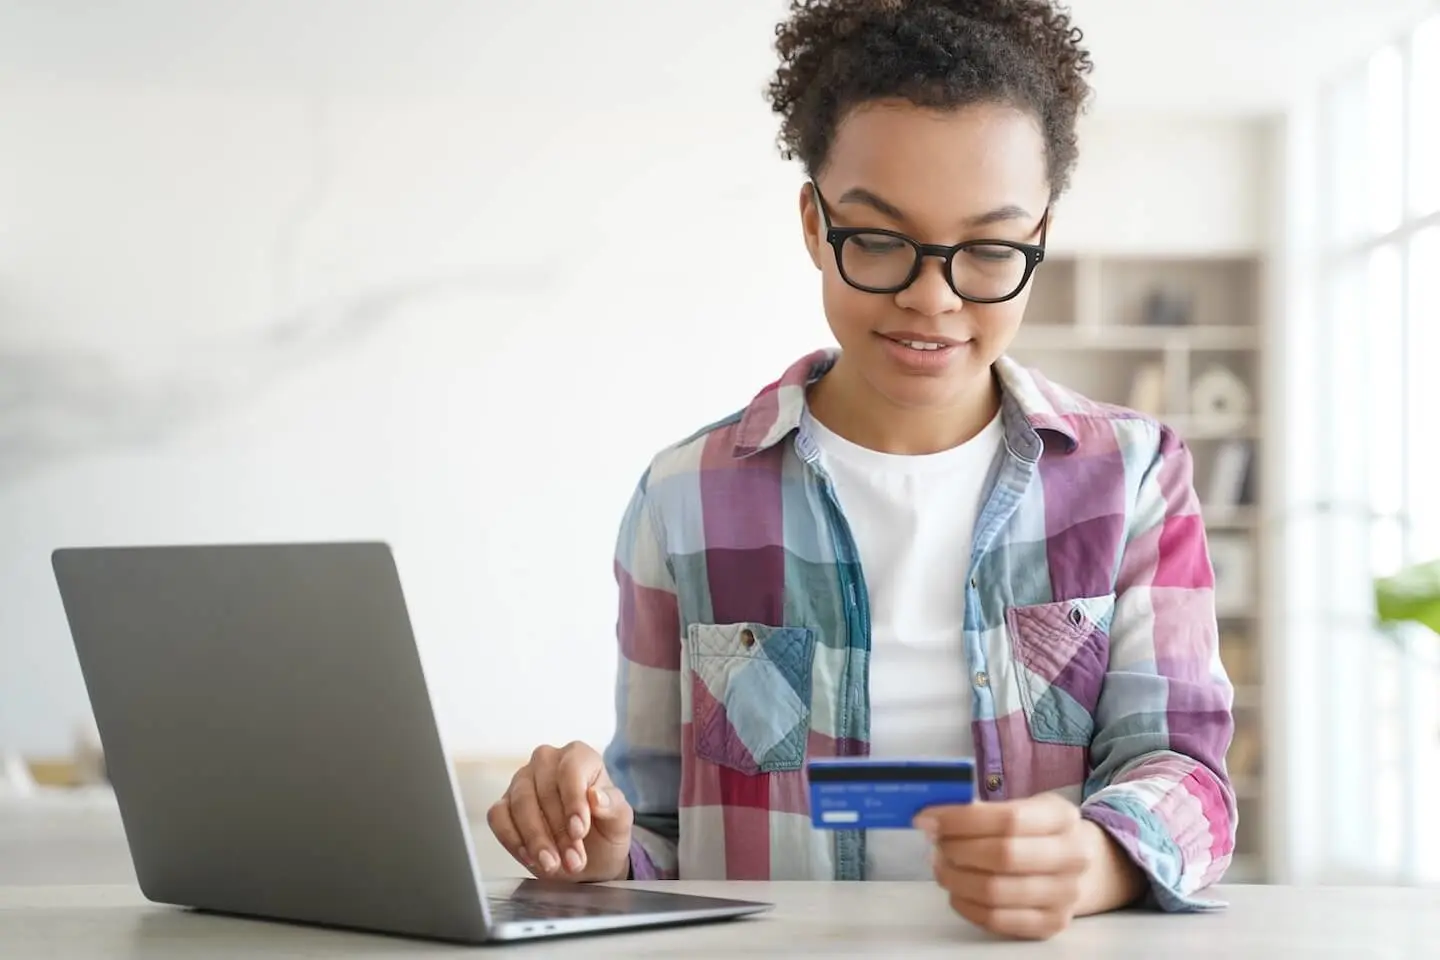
[(748, 639), (1064, 620)]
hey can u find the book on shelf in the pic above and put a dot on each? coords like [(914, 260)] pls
[(1230, 484)]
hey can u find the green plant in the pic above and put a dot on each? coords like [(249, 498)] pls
[(1410, 596)]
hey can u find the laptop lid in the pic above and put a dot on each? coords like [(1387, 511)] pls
[(269, 734)]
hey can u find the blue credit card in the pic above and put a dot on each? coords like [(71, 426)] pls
[(870, 793)]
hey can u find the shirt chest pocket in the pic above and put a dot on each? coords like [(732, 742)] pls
[(750, 693), (1061, 652)]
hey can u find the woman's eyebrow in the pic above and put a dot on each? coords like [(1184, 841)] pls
[(878, 203), (874, 201)]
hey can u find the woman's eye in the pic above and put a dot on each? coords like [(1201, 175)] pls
[(877, 245), (992, 253)]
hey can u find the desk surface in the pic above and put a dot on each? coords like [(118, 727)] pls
[(810, 919)]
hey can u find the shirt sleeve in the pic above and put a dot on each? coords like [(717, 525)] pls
[(1159, 785), (643, 758)]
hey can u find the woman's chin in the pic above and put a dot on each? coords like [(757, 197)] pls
[(942, 382)]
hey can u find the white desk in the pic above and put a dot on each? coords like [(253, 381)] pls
[(818, 920)]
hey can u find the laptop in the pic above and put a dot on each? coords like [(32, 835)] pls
[(270, 739)]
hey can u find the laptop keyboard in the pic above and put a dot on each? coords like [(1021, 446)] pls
[(507, 911)]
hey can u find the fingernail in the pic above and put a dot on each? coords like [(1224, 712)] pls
[(577, 827), (572, 861), (927, 825), (548, 863), (525, 857), (602, 798)]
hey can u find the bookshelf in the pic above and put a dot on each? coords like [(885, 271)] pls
[(1182, 338)]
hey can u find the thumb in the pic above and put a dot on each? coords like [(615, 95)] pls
[(610, 812)]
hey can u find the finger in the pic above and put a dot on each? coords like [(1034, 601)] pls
[(1043, 815), (997, 890), (580, 769), (1021, 923), (1014, 855), (529, 820), (613, 815), (502, 825), (547, 790)]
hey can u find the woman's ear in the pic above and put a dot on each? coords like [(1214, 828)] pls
[(810, 223)]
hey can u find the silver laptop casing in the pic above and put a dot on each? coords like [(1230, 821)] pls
[(269, 734)]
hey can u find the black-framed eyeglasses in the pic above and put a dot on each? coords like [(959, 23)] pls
[(875, 260)]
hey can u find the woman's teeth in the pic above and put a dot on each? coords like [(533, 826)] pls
[(921, 345)]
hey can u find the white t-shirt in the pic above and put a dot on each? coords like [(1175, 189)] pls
[(913, 519)]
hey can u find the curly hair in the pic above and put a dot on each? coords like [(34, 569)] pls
[(838, 54)]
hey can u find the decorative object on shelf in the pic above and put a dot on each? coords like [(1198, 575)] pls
[(1219, 400), (1167, 309), (1233, 562), (1147, 390)]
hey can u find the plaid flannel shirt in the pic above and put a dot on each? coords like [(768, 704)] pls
[(1090, 635)]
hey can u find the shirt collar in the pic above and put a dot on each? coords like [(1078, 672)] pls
[(1028, 407)]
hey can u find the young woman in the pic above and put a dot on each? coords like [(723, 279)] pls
[(912, 545)]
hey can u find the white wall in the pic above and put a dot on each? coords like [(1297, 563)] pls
[(500, 300)]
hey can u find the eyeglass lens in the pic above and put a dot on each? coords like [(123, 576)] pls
[(881, 262)]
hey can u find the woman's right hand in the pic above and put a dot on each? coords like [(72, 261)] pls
[(563, 818)]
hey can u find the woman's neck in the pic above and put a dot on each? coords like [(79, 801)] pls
[(846, 404)]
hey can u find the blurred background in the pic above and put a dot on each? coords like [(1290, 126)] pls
[(448, 272)]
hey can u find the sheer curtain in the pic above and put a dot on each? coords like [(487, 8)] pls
[(1369, 501)]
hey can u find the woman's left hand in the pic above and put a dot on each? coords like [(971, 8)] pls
[(1025, 868)]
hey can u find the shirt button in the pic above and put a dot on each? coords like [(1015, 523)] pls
[(993, 782), (982, 679), (747, 638)]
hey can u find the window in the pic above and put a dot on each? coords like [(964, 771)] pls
[(1425, 119), (1385, 135), (1377, 388), (1423, 384)]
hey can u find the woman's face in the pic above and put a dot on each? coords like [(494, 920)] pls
[(978, 173)]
